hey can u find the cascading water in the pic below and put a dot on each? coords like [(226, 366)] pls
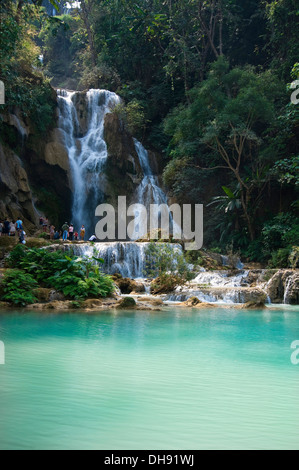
[(126, 258), (87, 154), (149, 191)]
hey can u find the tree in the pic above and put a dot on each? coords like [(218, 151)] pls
[(226, 126)]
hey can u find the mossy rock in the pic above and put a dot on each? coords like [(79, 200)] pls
[(254, 305), (163, 285), (127, 302), (192, 302)]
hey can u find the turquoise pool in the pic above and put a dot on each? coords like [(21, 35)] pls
[(177, 379)]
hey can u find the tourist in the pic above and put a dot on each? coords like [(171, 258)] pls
[(65, 230), (19, 225), (45, 225), (6, 227), (92, 238), (12, 230), (41, 221), (22, 235), (82, 233), (56, 235), (52, 232), (71, 232), (76, 235)]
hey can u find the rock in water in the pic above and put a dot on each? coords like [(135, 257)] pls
[(127, 303), (283, 287)]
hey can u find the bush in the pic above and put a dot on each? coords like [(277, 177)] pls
[(77, 278), (280, 259), (18, 287), (168, 266)]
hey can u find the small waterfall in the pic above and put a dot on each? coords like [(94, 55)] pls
[(87, 154), (221, 279), (126, 258), (149, 191)]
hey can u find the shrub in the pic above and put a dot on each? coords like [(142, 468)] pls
[(77, 278), (18, 287), (167, 265), (280, 259)]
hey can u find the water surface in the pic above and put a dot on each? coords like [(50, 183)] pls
[(177, 379)]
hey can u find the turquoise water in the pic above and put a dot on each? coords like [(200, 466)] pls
[(177, 379)]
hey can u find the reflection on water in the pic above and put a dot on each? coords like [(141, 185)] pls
[(178, 379)]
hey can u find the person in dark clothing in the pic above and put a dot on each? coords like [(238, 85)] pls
[(6, 227)]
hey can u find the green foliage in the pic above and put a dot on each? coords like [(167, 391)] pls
[(18, 287), (77, 278), (281, 231), (280, 259), (167, 265), (25, 86), (132, 115)]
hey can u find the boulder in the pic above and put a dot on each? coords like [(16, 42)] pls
[(292, 290), (254, 305), (276, 287), (192, 302), (127, 286), (127, 303)]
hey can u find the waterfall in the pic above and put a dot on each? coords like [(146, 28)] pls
[(126, 258), (87, 154), (221, 279), (149, 191)]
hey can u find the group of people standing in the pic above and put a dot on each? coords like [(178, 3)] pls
[(67, 231), (11, 229)]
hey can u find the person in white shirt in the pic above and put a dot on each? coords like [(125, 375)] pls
[(12, 230)]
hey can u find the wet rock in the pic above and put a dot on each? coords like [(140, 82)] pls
[(276, 287), (150, 301), (92, 303), (126, 303), (192, 302), (55, 295), (127, 286), (254, 305), (292, 290)]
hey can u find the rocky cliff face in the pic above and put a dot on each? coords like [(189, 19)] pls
[(283, 287), (123, 168), (34, 173)]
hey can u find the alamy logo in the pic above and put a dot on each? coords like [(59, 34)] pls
[(2, 353), (295, 354), (2, 93), (295, 94), (158, 221)]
